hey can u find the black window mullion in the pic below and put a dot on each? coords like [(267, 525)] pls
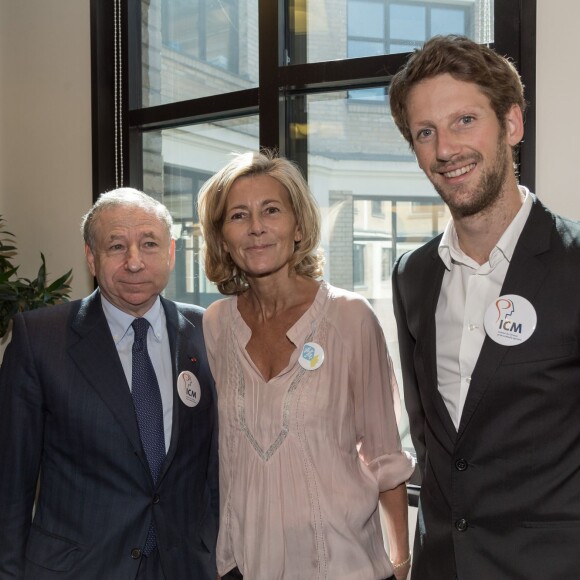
[(341, 74), (269, 63), (132, 94), (295, 115), (202, 110), (527, 68), (515, 37), (102, 98)]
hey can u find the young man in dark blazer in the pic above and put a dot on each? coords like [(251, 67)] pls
[(116, 500), (488, 318)]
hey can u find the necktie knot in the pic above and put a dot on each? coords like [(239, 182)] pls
[(140, 328)]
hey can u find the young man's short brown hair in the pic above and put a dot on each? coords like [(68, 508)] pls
[(464, 60)]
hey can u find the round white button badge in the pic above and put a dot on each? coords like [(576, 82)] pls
[(188, 388), (510, 320), (312, 356)]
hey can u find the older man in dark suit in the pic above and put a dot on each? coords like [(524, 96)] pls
[(488, 318), (110, 402)]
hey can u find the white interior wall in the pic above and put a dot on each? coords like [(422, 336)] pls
[(45, 116), (45, 132), (558, 93)]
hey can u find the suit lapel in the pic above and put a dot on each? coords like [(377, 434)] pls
[(96, 356), (181, 333), (524, 277), (431, 288)]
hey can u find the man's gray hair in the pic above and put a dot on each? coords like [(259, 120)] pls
[(123, 197)]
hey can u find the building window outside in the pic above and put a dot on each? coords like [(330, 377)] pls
[(202, 30), (377, 208), (191, 49), (387, 26)]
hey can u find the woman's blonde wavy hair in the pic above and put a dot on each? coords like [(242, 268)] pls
[(219, 266)]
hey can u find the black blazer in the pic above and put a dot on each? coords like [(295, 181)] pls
[(500, 497), (66, 410)]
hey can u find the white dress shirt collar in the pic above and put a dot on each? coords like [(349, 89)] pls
[(120, 322), (450, 251)]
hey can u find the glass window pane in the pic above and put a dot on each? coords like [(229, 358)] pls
[(407, 22), (176, 163), (366, 19), (373, 94), (197, 48), (360, 48), (331, 29), (375, 201), (220, 37), (448, 22)]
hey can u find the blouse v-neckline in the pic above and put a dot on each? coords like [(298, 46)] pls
[(297, 333)]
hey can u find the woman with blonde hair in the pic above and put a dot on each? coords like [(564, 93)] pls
[(306, 391)]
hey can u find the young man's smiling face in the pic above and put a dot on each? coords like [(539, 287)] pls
[(460, 144)]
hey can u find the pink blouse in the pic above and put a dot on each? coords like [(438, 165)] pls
[(304, 456)]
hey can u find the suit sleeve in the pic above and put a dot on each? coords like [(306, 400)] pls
[(21, 433), (407, 344)]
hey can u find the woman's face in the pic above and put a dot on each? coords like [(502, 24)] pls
[(259, 229)]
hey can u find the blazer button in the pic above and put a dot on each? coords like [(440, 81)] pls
[(156, 499), (461, 525), (461, 465), (135, 553)]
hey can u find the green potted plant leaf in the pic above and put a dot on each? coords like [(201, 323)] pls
[(18, 294)]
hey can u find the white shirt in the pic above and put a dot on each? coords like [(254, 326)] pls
[(467, 290)]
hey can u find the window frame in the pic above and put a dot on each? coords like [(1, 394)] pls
[(284, 79), (514, 36)]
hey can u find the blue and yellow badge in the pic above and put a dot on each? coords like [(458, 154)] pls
[(312, 356)]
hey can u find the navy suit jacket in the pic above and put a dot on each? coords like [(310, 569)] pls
[(67, 414), (500, 496)]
